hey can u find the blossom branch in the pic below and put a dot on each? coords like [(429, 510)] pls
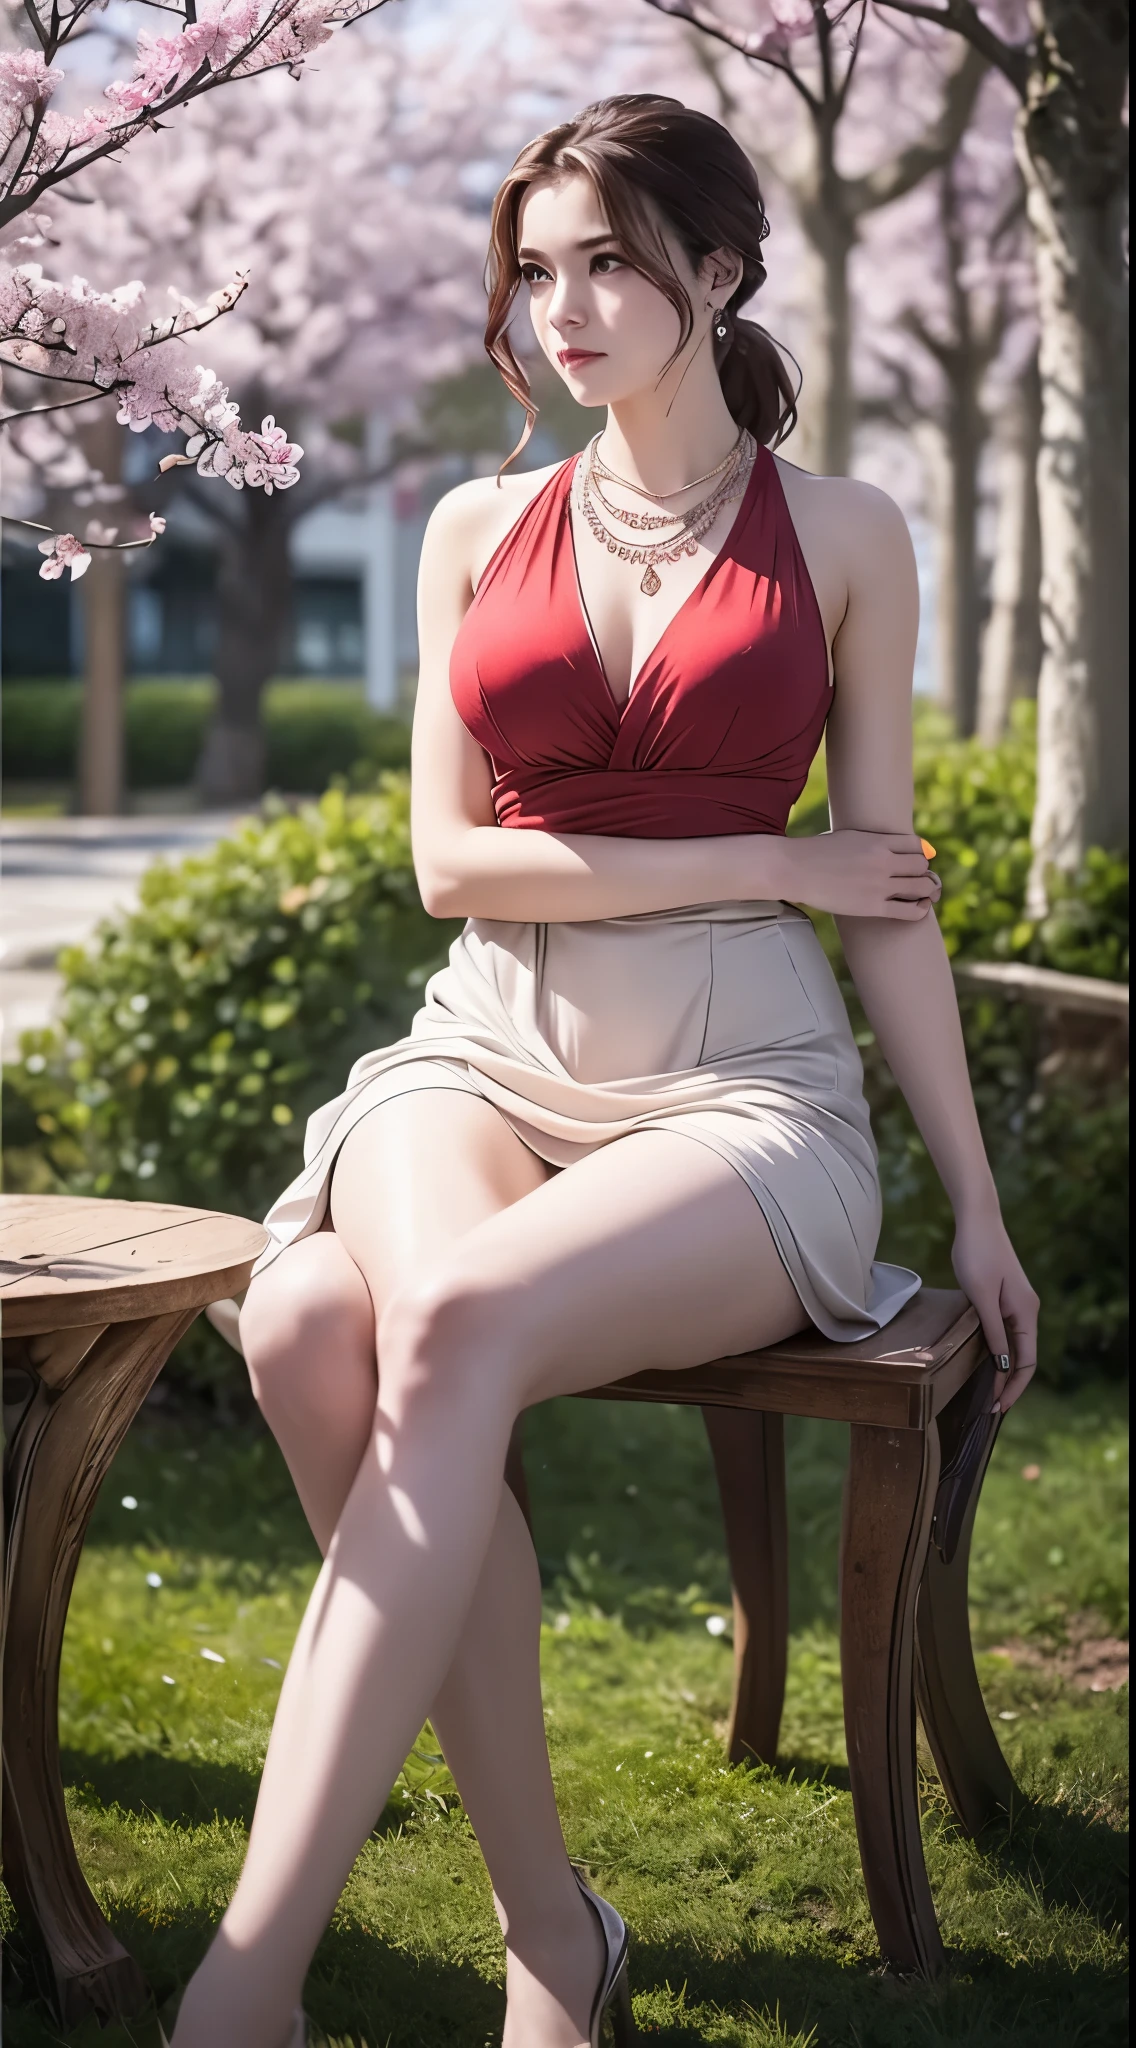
[(64, 551), (223, 40), (72, 334), (1011, 59)]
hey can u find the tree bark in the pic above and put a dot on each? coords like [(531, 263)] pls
[(950, 469), (828, 410), (254, 606), (101, 743), (1011, 644), (956, 439), (102, 746), (1072, 147), (960, 616)]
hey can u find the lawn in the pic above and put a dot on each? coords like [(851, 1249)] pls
[(741, 1886)]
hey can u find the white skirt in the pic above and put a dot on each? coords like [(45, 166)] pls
[(722, 1022)]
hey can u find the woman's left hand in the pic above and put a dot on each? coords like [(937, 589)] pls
[(989, 1272)]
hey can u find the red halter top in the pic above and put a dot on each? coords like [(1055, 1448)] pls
[(724, 717)]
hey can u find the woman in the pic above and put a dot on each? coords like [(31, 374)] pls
[(628, 662)]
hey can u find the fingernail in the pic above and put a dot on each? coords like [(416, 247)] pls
[(928, 849)]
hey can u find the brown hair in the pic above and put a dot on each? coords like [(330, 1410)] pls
[(638, 147)]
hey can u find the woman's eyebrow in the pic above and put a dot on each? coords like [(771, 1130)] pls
[(526, 255)]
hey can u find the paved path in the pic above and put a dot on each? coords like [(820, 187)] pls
[(60, 876)]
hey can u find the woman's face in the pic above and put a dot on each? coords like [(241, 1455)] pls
[(608, 331)]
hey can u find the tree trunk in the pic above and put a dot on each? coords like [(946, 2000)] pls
[(254, 605), (102, 747), (1011, 646), (951, 448), (962, 624), (1072, 147), (101, 741), (828, 413)]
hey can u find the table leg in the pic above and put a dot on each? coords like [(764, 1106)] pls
[(888, 1504), (976, 1777), (749, 1459), (82, 1398)]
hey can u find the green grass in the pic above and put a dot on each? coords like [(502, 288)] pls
[(742, 1887)]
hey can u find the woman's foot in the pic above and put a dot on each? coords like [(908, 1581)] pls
[(554, 1971)]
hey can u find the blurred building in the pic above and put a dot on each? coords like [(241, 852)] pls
[(355, 563)]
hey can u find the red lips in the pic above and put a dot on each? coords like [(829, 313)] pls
[(570, 358)]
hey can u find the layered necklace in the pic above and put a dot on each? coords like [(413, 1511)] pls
[(683, 531)]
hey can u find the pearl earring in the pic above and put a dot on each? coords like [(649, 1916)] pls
[(720, 328)]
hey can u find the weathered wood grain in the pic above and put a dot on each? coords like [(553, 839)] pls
[(93, 1297)]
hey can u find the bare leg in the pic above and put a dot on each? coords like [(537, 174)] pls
[(652, 1251), (309, 1335)]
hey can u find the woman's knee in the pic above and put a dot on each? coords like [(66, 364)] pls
[(307, 1318), (450, 1328)]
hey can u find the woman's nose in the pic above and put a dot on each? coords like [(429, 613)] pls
[(565, 312)]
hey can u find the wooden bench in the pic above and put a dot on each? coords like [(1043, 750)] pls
[(919, 1398), (94, 1296)]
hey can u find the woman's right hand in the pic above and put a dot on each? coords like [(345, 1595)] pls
[(861, 874)]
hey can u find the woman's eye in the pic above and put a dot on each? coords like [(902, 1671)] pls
[(534, 273), (602, 266)]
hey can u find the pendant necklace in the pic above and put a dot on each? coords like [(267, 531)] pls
[(687, 528), (611, 476)]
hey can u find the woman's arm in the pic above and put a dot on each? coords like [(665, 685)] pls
[(468, 867), (901, 970)]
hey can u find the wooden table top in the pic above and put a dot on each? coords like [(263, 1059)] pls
[(66, 1260)]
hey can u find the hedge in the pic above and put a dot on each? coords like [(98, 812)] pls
[(313, 731), (198, 1030), (975, 804)]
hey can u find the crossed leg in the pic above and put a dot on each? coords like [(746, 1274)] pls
[(652, 1251), (308, 1332)]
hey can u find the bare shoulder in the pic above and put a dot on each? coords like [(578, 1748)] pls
[(852, 523), (471, 521), (842, 504)]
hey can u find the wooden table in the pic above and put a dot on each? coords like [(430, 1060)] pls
[(94, 1296)]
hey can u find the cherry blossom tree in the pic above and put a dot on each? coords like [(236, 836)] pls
[(947, 330), (850, 85), (100, 342), (1067, 62), (366, 287)]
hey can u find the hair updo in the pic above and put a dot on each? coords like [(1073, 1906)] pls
[(638, 147)]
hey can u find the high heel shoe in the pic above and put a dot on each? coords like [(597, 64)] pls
[(613, 1998)]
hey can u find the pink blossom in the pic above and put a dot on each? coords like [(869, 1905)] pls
[(103, 339), (278, 456), (25, 80), (229, 38), (289, 43), (63, 551)]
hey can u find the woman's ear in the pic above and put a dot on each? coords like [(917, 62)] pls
[(721, 271)]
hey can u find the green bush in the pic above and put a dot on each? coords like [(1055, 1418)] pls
[(313, 731), (200, 1029), (975, 804), (1058, 1145), (198, 1032), (1056, 1129)]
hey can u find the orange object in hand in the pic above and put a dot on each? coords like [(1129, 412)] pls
[(928, 849)]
